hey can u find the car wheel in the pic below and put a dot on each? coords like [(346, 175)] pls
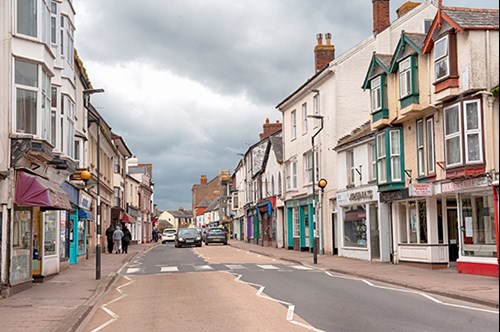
[(206, 243), (225, 243)]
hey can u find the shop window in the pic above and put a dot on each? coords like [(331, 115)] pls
[(295, 219), (21, 245), (50, 233), (413, 222), (478, 225), (355, 226)]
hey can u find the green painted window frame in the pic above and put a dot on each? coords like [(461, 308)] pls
[(390, 156), (381, 112), (412, 97)]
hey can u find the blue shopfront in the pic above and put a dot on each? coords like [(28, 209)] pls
[(300, 232)]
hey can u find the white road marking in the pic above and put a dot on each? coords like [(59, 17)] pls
[(301, 267), (203, 267), (268, 267), (169, 269), (236, 267), (134, 270)]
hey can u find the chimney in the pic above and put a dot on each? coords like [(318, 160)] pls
[(406, 7), (323, 54), (381, 18), (203, 179), (269, 129)]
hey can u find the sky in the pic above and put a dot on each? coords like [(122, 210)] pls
[(189, 83)]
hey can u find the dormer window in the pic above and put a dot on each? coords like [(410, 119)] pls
[(441, 58), (405, 78), (376, 94)]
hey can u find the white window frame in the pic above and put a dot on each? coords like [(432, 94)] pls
[(295, 220), (291, 175), (405, 78), (429, 133), (304, 118), (376, 93), (453, 135), (372, 157), (308, 167), (439, 58), (293, 117), (68, 118), (475, 131), (395, 155), (381, 158), (316, 108), (350, 167), (420, 147)]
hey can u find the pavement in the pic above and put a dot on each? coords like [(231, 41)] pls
[(62, 302)]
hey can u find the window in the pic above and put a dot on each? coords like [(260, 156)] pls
[(430, 146), (116, 196), (291, 175), (27, 17), (452, 135), (350, 167), (308, 167), (473, 136), (78, 153), (381, 158), (355, 234), (427, 25), (280, 185), (294, 124), (295, 219), (413, 222), (395, 155), (441, 58), (30, 79), (405, 85), (316, 104), (376, 94), (420, 148), (50, 233), (372, 157), (53, 115), (304, 116), (117, 164), (273, 187), (53, 22), (68, 123)]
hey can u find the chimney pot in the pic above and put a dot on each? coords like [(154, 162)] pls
[(319, 37), (323, 54)]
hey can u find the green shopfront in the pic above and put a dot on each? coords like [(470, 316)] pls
[(300, 230)]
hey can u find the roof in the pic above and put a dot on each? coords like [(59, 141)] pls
[(362, 131), (473, 18), (276, 142), (415, 40), (461, 19), (378, 60)]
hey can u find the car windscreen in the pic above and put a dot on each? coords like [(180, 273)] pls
[(188, 232), (169, 231), (215, 231)]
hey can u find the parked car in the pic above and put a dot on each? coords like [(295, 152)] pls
[(216, 235), (187, 236), (168, 235)]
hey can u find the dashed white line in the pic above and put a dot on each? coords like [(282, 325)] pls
[(169, 269)]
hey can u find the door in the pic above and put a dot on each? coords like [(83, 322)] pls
[(73, 240), (452, 233), (334, 225)]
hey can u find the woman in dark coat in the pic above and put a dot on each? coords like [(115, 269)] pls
[(127, 237)]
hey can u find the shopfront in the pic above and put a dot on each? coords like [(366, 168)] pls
[(359, 223), (476, 234), (300, 224)]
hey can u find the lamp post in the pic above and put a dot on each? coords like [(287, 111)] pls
[(316, 242), (97, 120)]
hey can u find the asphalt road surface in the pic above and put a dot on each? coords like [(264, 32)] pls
[(220, 288)]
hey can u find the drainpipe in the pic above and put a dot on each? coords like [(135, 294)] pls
[(494, 186)]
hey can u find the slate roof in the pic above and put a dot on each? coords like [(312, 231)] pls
[(276, 142), (473, 18), (417, 38), (362, 131), (385, 59)]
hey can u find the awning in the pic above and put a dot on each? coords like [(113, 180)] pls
[(127, 218), (84, 214), (32, 190)]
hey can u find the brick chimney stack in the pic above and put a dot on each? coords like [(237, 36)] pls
[(269, 129), (381, 17), (203, 179), (323, 54)]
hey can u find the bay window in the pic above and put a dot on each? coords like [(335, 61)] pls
[(390, 159), (376, 94), (27, 22), (381, 158), (395, 155), (463, 133), (441, 58), (405, 78)]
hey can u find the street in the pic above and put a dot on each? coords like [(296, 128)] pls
[(222, 288)]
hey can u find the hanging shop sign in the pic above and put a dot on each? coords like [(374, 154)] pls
[(421, 189)]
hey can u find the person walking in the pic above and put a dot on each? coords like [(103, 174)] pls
[(117, 238), (127, 237), (109, 237)]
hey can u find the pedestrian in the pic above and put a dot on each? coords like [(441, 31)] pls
[(117, 238), (155, 235), (127, 237), (109, 236)]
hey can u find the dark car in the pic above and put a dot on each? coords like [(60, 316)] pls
[(187, 237), (216, 235)]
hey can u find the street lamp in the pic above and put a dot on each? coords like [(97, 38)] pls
[(96, 119), (316, 239)]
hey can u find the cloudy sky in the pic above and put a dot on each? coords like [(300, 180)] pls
[(189, 83)]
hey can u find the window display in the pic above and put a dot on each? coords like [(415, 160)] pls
[(355, 226), (49, 233), (21, 245)]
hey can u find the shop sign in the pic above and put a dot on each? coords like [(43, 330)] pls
[(366, 195), (85, 201), (394, 195), (465, 184), (421, 189)]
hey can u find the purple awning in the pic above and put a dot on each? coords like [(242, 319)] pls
[(32, 190)]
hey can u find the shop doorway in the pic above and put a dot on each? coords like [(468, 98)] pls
[(335, 249), (73, 241), (452, 216)]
